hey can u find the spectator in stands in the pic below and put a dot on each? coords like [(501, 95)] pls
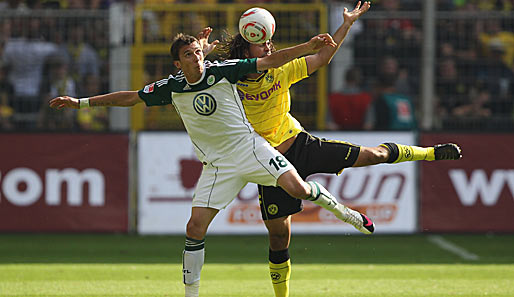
[(349, 105), (492, 37), (5, 30), (57, 82), (470, 5), (86, 4), (53, 4), (76, 4), (390, 109), (353, 81), (83, 57), (6, 92), (457, 38), (19, 5), (462, 5), (390, 73), (100, 4), (497, 79), (476, 107), (92, 119), (452, 88), (24, 56), (396, 36)]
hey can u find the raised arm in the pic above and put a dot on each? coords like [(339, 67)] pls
[(203, 38), (325, 55), (283, 56), (122, 98)]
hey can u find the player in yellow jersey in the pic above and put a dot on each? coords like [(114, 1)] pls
[(266, 101)]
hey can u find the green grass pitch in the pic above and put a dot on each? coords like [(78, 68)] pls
[(378, 265)]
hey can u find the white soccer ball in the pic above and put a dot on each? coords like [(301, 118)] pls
[(257, 25)]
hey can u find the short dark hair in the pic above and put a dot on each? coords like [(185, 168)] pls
[(178, 42), (236, 47)]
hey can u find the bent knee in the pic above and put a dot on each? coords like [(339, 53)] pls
[(279, 241), (195, 229), (299, 190), (279, 232), (294, 185)]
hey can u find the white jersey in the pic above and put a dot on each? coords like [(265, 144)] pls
[(210, 108)]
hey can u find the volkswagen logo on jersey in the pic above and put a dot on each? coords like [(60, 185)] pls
[(204, 104)]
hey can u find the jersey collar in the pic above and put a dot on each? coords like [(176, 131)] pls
[(258, 78), (201, 78)]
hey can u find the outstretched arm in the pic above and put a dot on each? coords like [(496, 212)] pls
[(324, 56), (283, 56), (122, 98)]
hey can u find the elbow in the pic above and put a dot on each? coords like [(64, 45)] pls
[(132, 103), (325, 60), (134, 99), (321, 60)]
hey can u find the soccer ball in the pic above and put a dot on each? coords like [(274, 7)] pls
[(257, 25)]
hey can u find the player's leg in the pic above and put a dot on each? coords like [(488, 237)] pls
[(272, 168), (216, 188), (310, 155), (313, 191), (371, 156), (194, 251), (396, 153), (276, 210), (401, 153), (279, 231)]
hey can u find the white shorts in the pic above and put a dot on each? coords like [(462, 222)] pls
[(254, 161)]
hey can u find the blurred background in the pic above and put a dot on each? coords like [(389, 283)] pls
[(417, 72)]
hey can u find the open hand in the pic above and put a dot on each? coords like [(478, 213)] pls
[(64, 102), (203, 37), (321, 40), (352, 16)]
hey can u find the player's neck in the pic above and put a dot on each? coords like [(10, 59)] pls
[(193, 77)]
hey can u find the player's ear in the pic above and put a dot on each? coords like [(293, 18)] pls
[(177, 64)]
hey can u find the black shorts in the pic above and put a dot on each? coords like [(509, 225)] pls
[(308, 154)]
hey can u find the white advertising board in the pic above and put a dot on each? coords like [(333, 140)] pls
[(168, 170)]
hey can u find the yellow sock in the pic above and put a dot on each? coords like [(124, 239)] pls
[(410, 152), (280, 274), (414, 153)]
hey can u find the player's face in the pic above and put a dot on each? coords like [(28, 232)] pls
[(260, 50), (191, 61)]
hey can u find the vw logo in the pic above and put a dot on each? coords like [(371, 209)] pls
[(204, 104)]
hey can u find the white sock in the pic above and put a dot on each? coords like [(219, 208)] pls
[(192, 262), (322, 197), (193, 289)]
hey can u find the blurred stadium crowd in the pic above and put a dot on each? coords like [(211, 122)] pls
[(44, 54), (474, 69)]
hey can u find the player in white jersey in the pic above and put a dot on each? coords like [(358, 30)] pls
[(205, 96)]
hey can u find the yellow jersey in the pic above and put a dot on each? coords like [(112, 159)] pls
[(267, 101)]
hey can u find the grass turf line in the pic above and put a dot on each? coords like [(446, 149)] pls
[(122, 265)]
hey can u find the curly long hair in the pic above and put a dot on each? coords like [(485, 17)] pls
[(235, 47)]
